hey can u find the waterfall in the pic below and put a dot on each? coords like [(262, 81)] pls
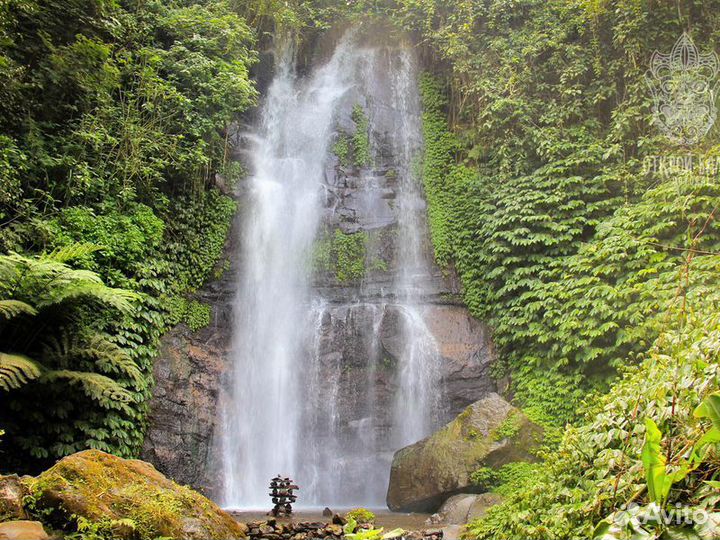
[(290, 407)]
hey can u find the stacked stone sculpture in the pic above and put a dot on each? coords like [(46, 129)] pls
[(281, 492)]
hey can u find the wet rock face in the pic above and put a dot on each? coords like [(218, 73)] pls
[(183, 411), (362, 343), (358, 335)]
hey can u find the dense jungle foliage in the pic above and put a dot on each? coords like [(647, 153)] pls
[(588, 263), (597, 273), (115, 119)]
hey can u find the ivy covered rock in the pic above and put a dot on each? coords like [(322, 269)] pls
[(490, 433), (125, 498)]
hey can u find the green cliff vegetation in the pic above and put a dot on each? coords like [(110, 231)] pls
[(114, 122), (588, 265), (355, 149)]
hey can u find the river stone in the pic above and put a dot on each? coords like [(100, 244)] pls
[(22, 530), (463, 508), (101, 487), (426, 473), (12, 492)]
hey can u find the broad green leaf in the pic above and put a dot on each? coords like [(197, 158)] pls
[(710, 408), (658, 482)]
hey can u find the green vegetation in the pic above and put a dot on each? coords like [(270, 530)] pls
[(361, 137), (43, 293), (346, 256), (349, 251), (486, 478), (114, 121), (582, 261), (197, 315), (342, 150), (359, 527), (509, 428), (602, 465), (360, 515), (598, 276), (355, 149)]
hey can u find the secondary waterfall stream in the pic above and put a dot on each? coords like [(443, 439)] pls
[(290, 408)]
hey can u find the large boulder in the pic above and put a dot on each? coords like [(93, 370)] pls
[(489, 433), (128, 497)]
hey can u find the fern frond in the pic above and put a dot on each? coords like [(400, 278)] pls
[(73, 252), (8, 271), (109, 357), (13, 308), (48, 281), (17, 370), (120, 299), (100, 388)]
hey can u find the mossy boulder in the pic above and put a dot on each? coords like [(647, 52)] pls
[(488, 434), (126, 498)]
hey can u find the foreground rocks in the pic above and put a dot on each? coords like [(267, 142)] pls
[(463, 508), (489, 433), (273, 529), (12, 491), (127, 498), (22, 530)]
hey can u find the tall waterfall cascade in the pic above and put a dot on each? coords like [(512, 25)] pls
[(332, 373)]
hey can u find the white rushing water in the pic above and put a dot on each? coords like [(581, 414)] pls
[(284, 411)]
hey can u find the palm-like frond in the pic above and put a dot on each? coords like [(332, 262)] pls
[(7, 270), (13, 308), (100, 388), (17, 370), (120, 299), (73, 252), (109, 357), (46, 281)]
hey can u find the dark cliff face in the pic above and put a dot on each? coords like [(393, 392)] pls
[(189, 373), (358, 335)]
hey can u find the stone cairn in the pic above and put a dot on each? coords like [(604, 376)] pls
[(281, 491)]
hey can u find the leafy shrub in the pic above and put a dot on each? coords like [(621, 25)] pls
[(360, 516), (73, 363), (361, 137), (598, 466), (197, 315)]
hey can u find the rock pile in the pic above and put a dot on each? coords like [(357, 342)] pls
[(272, 529), (302, 530)]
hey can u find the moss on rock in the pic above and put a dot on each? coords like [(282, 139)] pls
[(488, 434), (126, 499)]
